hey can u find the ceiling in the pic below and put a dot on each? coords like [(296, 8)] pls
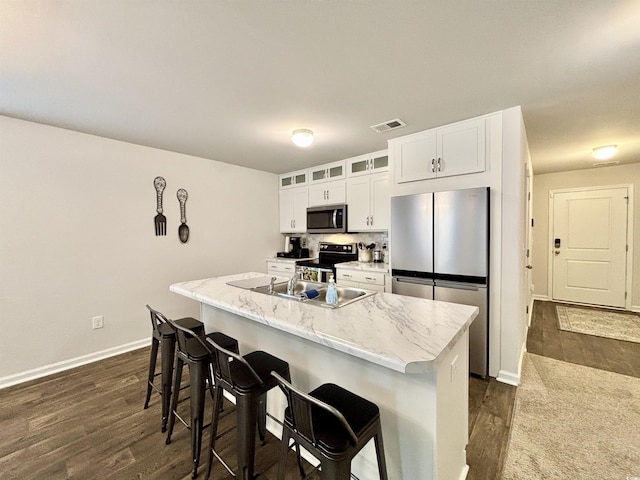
[(230, 80)]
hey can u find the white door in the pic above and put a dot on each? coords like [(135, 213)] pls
[(589, 246)]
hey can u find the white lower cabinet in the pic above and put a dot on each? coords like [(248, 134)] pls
[(281, 268), (361, 279)]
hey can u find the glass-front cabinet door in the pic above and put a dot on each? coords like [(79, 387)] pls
[(369, 163), (294, 179), (327, 172)]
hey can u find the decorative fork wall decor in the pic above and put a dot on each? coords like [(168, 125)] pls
[(160, 220)]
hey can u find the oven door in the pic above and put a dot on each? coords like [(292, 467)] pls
[(315, 274)]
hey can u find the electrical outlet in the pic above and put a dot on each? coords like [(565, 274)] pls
[(98, 322)]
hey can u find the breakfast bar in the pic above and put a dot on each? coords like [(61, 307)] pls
[(407, 355)]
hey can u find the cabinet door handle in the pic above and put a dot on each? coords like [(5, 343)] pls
[(346, 275), (370, 279), (439, 164), (372, 220), (433, 165), (367, 221)]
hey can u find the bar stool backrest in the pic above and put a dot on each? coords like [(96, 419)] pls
[(222, 364), (301, 409), (183, 334), (157, 319)]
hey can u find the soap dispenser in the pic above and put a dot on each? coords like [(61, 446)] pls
[(332, 294)]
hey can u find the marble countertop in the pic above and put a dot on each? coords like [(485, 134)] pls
[(287, 259), (365, 266), (405, 334)]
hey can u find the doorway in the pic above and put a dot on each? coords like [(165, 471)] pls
[(589, 245)]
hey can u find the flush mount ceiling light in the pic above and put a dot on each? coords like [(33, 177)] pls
[(605, 152), (302, 137)]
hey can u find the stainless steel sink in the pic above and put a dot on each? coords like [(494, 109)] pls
[(346, 295)]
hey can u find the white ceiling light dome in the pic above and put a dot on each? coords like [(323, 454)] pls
[(605, 152), (302, 137)]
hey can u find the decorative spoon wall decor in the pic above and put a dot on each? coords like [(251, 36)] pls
[(183, 229), (160, 220)]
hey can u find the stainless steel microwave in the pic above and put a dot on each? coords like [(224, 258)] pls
[(327, 219)]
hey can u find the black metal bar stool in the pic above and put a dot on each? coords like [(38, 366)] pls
[(333, 424), (198, 356), (248, 379), (163, 336)]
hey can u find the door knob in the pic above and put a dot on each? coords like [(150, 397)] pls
[(529, 267), (557, 252)]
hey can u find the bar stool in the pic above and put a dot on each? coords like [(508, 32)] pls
[(163, 336), (333, 424), (248, 379), (194, 352)]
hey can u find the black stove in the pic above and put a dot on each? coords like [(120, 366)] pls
[(329, 254)]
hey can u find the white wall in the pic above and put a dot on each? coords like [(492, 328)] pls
[(543, 184), (77, 240)]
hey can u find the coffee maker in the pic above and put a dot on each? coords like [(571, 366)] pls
[(293, 248)]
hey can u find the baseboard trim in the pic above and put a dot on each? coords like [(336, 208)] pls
[(544, 298), (40, 372), (511, 378)]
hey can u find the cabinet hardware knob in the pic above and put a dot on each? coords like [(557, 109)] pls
[(439, 164), (433, 165)]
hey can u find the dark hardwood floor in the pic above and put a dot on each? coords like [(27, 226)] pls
[(88, 423)]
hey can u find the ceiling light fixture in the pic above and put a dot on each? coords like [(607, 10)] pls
[(302, 137), (605, 152)]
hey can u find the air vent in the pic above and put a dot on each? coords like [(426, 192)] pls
[(606, 164), (390, 125)]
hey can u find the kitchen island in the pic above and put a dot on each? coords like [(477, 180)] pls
[(408, 355)]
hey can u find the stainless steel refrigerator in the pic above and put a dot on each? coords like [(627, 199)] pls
[(440, 250)]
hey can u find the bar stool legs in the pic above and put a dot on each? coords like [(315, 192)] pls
[(152, 370), (164, 339), (248, 379)]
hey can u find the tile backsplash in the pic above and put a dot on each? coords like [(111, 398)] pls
[(311, 241)]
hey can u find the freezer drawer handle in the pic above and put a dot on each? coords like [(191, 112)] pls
[(458, 286), (418, 281)]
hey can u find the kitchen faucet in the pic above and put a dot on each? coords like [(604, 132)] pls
[(291, 284), (271, 284)]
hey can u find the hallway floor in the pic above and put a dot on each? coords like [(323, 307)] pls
[(491, 402)]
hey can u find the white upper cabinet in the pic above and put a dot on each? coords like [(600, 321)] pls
[(327, 184), (293, 210), (367, 164), (454, 149), (368, 199), (329, 172), (327, 193), (294, 179)]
